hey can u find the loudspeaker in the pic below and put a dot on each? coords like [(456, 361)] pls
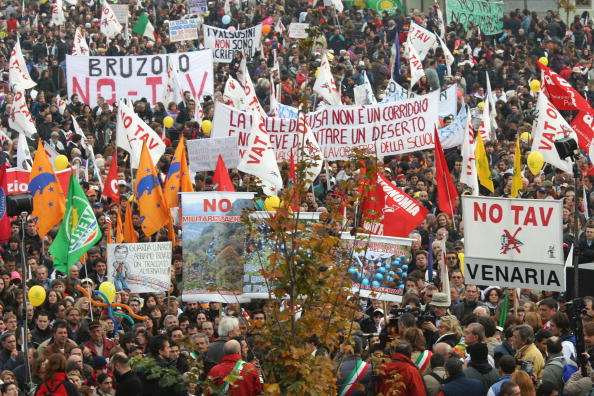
[(18, 203)]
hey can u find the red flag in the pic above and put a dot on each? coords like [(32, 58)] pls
[(111, 182), (560, 92), (4, 219), (399, 213), (582, 124), (446, 190), (292, 167), (221, 179)]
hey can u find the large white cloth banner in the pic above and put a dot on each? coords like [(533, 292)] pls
[(385, 129), (224, 43), (136, 77)]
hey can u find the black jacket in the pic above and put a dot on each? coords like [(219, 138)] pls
[(128, 384)]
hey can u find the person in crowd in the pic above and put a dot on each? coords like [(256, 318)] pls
[(526, 351)]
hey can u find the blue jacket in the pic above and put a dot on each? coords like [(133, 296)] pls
[(460, 385)]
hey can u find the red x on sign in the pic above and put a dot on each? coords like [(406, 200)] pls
[(512, 240)]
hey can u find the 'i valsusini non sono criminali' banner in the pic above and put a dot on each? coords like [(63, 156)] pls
[(136, 77), (386, 129), (225, 43)]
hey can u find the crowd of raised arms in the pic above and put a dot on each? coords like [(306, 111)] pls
[(474, 346)]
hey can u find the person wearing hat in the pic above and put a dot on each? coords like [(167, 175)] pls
[(99, 345), (99, 364), (54, 141), (479, 367)]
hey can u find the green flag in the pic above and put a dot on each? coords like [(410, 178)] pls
[(504, 308), (144, 27), (79, 230)]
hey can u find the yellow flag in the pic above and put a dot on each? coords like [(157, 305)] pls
[(482, 164), (517, 179)]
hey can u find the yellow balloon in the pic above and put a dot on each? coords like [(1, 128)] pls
[(167, 122), (272, 203), (544, 60), (481, 105), (535, 162), (109, 290), (525, 137), (206, 127), (535, 86), (36, 295), (61, 162)]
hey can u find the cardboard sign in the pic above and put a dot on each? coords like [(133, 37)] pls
[(199, 7), (121, 12), (485, 14), (203, 154), (225, 43), (139, 267), (213, 241), (136, 77), (183, 29), (503, 229), (298, 30), (377, 265)]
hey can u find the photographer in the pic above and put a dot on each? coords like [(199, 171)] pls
[(436, 309), (530, 358)]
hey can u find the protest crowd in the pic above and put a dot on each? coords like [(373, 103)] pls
[(441, 336)]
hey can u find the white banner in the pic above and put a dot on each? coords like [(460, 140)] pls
[(203, 154), (114, 77), (183, 29), (224, 43), (297, 30), (516, 274), (420, 38), (139, 267), (448, 100), (387, 129), (504, 229), (199, 7), (121, 12)]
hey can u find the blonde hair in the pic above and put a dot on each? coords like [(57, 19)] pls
[(533, 319), (451, 323)]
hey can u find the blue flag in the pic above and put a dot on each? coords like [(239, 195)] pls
[(396, 57)]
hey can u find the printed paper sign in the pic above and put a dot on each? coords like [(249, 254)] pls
[(485, 14), (214, 244), (298, 30), (225, 43), (183, 29), (139, 267), (121, 12), (199, 7), (203, 154), (385, 129), (377, 265), (258, 249), (503, 229), (136, 77)]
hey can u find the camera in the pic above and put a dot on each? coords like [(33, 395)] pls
[(427, 316), (525, 365)]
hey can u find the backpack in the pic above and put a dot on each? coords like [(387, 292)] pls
[(568, 369), (49, 391)]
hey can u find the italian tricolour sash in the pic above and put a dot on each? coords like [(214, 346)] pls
[(235, 371), (423, 360), (354, 377)]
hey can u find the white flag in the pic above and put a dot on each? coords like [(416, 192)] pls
[(492, 108), (253, 104), (234, 95), (273, 108), (443, 272), (449, 58), (61, 103), (259, 159), (198, 111), (73, 2), (469, 175), (279, 27), (421, 39), (485, 127), (416, 66), (440, 23), (173, 91), (325, 85), (20, 118), (24, 160), (132, 131), (110, 26), (551, 126), (18, 74), (337, 4), (309, 151), (364, 92), (80, 46), (58, 17), (80, 132)]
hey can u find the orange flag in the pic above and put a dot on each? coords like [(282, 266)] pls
[(48, 201), (154, 213), (129, 234), (178, 176), (119, 229)]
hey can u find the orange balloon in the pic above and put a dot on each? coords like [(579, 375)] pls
[(100, 304), (266, 29)]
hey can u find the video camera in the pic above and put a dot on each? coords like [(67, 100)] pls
[(525, 365)]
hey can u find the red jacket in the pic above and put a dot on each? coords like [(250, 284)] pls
[(59, 386), (248, 384), (107, 346), (408, 382)]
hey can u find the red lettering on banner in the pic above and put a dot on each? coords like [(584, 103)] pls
[(495, 212), (153, 82), (256, 153), (530, 215), (214, 205), (77, 90), (200, 89), (223, 43), (107, 82), (547, 141)]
